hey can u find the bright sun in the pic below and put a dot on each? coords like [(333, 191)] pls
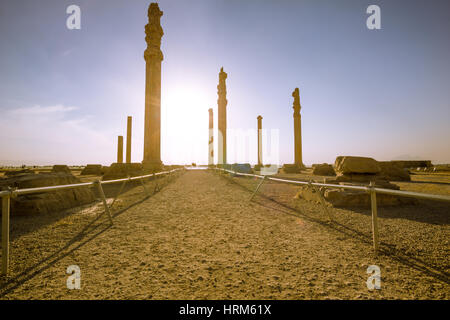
[(184, 121)]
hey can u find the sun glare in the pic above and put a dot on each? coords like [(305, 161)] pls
[(185, 136)]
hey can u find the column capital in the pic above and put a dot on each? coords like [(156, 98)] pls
[(296, 105), (153, 33)]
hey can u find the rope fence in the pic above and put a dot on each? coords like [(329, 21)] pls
[(6, 196), (371, 190)]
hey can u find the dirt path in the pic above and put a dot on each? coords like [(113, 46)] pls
[(200, 238)]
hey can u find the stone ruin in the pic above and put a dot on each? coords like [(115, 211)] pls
[(241, 167), (291, 168), (356, 171), (323, 169), (46, 202), (92, 169), (61, 168), (11, 173), (124, 170)]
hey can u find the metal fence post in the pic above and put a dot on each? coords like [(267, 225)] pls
[(120, 191), (102, 195), (322, 200), (373, 204), (156, 189), (6, 200), (257, 188), (143, 186)]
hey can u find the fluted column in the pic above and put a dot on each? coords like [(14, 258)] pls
[(211, 139), (153, 58), (259, 140), (297, 128), (120, 149), (222, 123), (128, 153)]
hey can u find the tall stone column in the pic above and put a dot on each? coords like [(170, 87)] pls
[(222, 123), (128, 154), (297, 128), (211, 139), (259, 140), (153, 58), (120, 149)]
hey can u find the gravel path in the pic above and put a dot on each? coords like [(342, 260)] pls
[(200, 238)]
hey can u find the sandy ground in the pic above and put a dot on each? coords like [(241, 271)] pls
[(201, 238)]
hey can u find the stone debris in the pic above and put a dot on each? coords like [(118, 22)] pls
[(11, 173), (349, 164), (390, 170), (61, 168), (46, 202), (123, 170), (359, 171), (291, 168), (242, 167), (323, 169), (92, 169)]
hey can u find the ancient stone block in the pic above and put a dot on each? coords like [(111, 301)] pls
[(46, 202), (123, 170), (61, 168), (291, 168), (323, 169), (393, 172), (92, 169), (242, 167), (350, 164), (11, 173), (345, 198)]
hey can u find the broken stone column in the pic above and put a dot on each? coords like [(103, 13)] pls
[(120, 149), (211, 139), (222, 109), (259, 141), (297, 128), (128, 154), (153, 57)]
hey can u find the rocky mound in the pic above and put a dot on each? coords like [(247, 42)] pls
[(358, 171), (45, 202)]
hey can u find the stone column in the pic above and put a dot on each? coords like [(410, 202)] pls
[(153, 58), (211, 139), (259, 140), (297, 128), (222, 123), (120, 149), (128, 154)]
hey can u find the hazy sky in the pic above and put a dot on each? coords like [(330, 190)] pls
[(65, 94)]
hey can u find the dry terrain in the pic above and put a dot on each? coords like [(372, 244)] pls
[(200, 237)]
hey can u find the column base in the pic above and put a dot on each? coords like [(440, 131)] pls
[(152, 166)]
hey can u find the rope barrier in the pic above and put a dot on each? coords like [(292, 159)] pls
[(6, 196)]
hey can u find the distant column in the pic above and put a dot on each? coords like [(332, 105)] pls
[(211, 139), (128, 154), (153, 57), (297, 128), (120, 149), (222, 123), (259, 140)]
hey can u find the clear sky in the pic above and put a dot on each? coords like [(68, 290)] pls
[(65, 94)]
